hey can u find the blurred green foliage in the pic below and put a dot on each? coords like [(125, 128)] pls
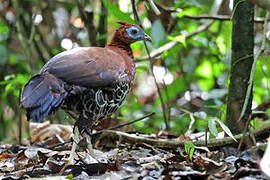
[(199, 64)]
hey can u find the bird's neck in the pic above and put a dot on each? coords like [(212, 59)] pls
[(124, 50), (117, 43)]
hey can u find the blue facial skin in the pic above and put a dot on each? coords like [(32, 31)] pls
[(138, 35)]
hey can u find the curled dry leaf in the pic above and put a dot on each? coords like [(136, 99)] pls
[(42, 131), (6, 166)]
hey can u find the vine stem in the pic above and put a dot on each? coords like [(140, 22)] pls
[(151, 63), (251, 77)]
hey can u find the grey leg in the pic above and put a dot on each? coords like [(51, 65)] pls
[(74, 145), (89, 145)]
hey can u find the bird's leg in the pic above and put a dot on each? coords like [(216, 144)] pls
[(74, 145), (89, 144)]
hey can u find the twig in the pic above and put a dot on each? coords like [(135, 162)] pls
[(20, 30), (205, 136), (192, 121), (167, 96), (59, 144), (203, 16), (151, 66), (251, 77), (244, 133), (206, 16), (154, 7), (170, 45), (113, 136), (261, 107), (97, 134), (119, 126), (38, 50), (219, 17), (88, 21), (44, 43), (131, 122)]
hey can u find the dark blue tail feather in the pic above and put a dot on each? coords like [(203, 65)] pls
[(42, 95)]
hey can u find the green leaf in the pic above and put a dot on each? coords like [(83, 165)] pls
[(117, 13), (9, 77), (189, 149), (188, 11), (206, 84), (205, 70), (226, 129), (212, 126), (70, 176), (179, 38)]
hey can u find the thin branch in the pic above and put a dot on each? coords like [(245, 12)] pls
[(38, 50), (261, 107), (170, 45), (96, 134), (154, 7), (88, 21), (219, 17), (204, 16), (192, 121), (151, 66), (44, 43), (244, 133), (131, 122), (109, 137), (20, 30), (167, 97)]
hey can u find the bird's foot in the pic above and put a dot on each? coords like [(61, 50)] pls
[(76, 139), (84, 141)]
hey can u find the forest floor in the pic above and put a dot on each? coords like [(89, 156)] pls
[(125, 156)]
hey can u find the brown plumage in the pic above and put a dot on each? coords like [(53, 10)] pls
[(89, 83)]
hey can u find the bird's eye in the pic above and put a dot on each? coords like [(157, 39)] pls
[(134, 31)]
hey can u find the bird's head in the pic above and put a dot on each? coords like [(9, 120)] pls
[(129, 33)]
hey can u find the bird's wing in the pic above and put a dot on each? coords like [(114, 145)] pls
[(87, 67)]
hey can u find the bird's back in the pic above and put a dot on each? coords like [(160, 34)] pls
[(91, 67)]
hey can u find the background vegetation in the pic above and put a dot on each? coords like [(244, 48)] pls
[(192, 71)]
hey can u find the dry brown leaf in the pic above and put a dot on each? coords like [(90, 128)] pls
[(42, 131)]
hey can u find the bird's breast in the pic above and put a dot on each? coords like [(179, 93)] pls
[(95, 104)]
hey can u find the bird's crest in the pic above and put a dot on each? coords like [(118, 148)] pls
[(124, 23)]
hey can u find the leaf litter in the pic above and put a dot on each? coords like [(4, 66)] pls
[(48, 153)]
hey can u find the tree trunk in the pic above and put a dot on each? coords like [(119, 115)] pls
[(102, 28), (242, 59)]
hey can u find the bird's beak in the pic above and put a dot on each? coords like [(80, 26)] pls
[(147, 38)]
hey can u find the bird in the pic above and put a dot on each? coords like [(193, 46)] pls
[(89, 83)]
